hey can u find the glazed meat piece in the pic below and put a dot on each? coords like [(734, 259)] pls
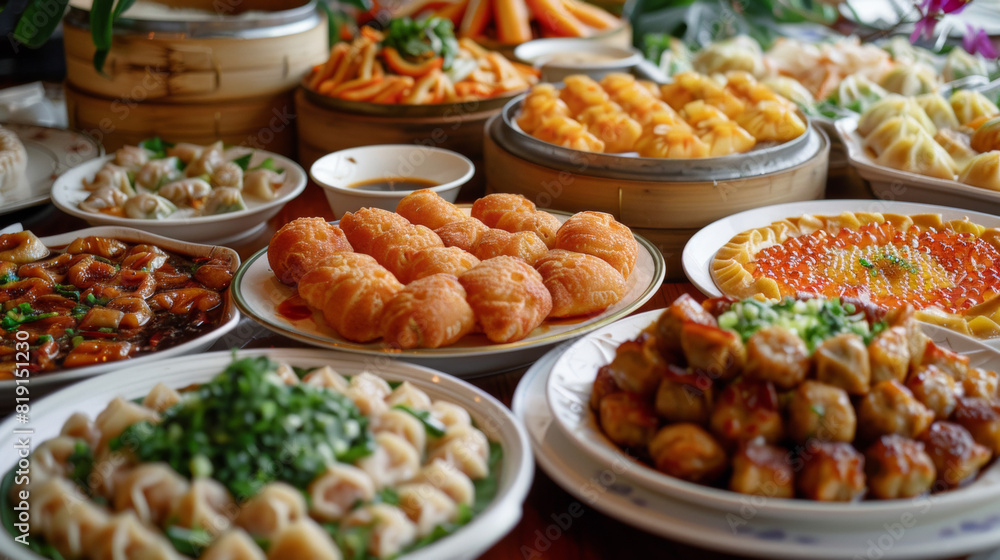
[(668, 326), (890, 408), (104, 247), (831, 472), (688, 452), (842, 361), (956, 455), (955, 365), (889, 355), (627, 419), (778, 355), (638, 367), (604, 385), (745, 410), (982, 418), (821, 412), (979, 382), (898, 467), (762, 470), (719, 353), (684, 396), (935, 388)]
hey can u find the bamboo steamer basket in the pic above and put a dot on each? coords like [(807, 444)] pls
[(200, 61), (666, 201), (265, 123)]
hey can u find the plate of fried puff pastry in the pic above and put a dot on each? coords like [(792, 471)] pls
[(466, 290)]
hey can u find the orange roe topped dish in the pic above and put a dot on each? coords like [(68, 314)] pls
[(950, 271)]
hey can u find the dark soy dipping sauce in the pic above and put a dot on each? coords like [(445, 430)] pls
[(394, 184)]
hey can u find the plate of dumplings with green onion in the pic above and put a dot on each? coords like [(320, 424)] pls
[(199, 193)]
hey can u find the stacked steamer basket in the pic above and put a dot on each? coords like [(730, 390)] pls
[(227, 76), (665, 200)]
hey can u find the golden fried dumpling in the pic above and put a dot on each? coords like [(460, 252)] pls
[(890, 131), (725, 137), (957, 144), (426, 208), (490, 208), (889, 107), (600, 235), (698, 112), (351, 299), (938, 110), (746, 87), (300, 245), (365, 225), (541, 103), (579, 284), (615, 82), (919, 153), (970, 105), (772, 121), (666, 141), (689, 86), (582, 92), (465, 234), (346, 261), (524, 245), (640, 103), (428, 313), (568, 133), (394, 248), (439, 260), (983, 171), (541, 223), (613, 126), (987, 136), (508, 298)]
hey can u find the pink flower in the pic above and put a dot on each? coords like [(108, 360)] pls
[(934, 7), (976, 40), (925, 27)]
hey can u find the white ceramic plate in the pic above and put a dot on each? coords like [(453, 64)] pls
[(51, 151), (258, 293), (892, 184), (746, 533), (568, 393), (517, 467), (701, 248), (230, 316), (222, 229)]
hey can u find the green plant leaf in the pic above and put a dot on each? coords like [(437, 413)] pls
[(101, 21), (120, 8), (49, 12)]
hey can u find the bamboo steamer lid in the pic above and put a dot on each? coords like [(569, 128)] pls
[(200, 61), (665, 209), (265, 123), (323, 129)]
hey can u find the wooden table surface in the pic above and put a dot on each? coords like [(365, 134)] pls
[(539, 535)]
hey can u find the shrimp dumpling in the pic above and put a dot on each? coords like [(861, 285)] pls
[(894, 106), (983, 171), (426, 506), (740, 53), (391, 529), (262, 183), (919, 153), (445, 477), (938, 109), (228, 174), (958, 146), (131, 158), (911, 79), (186, 192), (152, 491), (206, 161), (146, 206), (118, 415), (222, 201), (233, 545), (334, 492), (960, 63), (405, 425), (125, 532), (890, 131), (273, 508), (158, 171), (409, 395), (104, 200), (858, 92), (303, 539), (111, 176), (393, 461)]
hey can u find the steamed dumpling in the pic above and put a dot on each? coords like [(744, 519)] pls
[(146, 206), (223, 200), (207, 161), (792, 90), (912, 79), (111, 176), (131, 157), (228, 174), (725, 137), (103, 199), (970, 105), (857, 93), (906, 53), (739, 53), (919, 153), (983, 171), (957, 144), (938, 110), (772, 121), (960, 63), (894, 106), (891, 130), (987, 136), (158, 171), (262, 183), (186, 192)]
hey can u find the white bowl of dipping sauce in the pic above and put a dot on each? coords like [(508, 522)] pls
[(380, 176), (558, 58)]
